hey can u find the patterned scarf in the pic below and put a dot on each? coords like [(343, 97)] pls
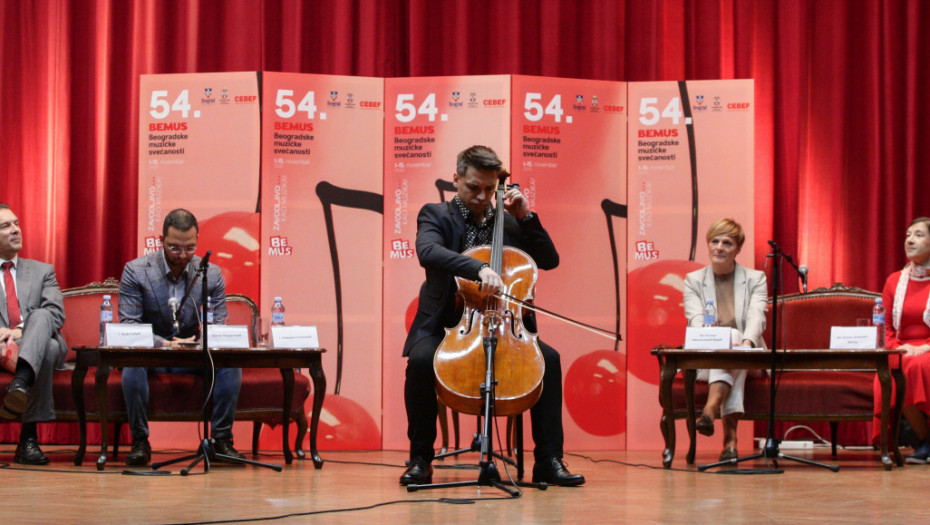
[(910, 271), (476, 235)]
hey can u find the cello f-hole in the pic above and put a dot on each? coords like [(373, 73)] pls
[(513, 324), (471, 322)]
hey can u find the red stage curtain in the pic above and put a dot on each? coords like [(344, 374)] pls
[(838, 131), (838, 148)]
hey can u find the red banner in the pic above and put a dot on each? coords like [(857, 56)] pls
[(199, 149), (322, 211), (568, 156), (427, 122), (690, 163)]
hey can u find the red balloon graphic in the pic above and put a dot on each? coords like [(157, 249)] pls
[(656, 313), (595, 392), (235, 241), (344, 425)]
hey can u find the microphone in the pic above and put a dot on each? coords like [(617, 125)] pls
[(173, 304), (803, 272), (205, 260)]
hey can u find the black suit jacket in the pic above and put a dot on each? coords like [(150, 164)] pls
[(440, 243)]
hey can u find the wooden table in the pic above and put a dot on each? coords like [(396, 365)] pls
[(673, 359), (285, 359)]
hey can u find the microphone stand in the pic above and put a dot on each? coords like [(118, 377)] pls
[(205, 450), (771, 450)]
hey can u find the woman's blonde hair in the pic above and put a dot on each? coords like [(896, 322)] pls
[(727, 227)]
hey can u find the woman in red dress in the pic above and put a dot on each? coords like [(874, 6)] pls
[(907, 296)]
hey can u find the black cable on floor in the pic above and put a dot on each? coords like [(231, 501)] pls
[(40, 469), (452, 501), (654, 467)]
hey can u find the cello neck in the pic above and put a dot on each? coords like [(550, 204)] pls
[(497, 243)]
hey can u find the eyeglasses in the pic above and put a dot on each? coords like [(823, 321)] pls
[(173, 248)]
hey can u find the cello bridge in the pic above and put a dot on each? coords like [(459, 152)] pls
[(491, 320)]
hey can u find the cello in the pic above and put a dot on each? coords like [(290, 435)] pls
[(460, 362)]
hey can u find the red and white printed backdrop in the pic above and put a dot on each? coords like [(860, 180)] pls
[(199, 149), (427, 122), (321, 218), (336, 181), (683, 176), (567, 155)]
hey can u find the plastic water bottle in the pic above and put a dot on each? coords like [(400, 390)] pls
[(710, 314), (277, 312), (878, 321), (106, 316), (209, 310)]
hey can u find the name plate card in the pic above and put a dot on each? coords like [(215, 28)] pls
[(228, 336), (132, 335), (294, 337), (707, 338), (853, 337)]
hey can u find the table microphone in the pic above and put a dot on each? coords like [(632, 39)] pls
[(803, 272), (173, 304), (205, 260)]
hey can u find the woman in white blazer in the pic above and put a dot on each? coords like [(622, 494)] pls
[(739, 295)]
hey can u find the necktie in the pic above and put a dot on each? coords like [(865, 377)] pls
[(12, 303)]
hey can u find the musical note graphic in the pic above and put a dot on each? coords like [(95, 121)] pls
[(330, 196)]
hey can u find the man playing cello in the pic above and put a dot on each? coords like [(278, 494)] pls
[(444, 231)]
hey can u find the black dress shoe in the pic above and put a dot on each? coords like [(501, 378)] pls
[(224, 447), (14, 402), (29, 453), (419, 472), (554, 472), (141, 453), (705, 426)]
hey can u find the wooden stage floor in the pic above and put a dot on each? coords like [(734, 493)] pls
[(361, 487)]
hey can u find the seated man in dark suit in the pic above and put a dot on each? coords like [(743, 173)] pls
[(444, 231), (31, 317), (145, 290)]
